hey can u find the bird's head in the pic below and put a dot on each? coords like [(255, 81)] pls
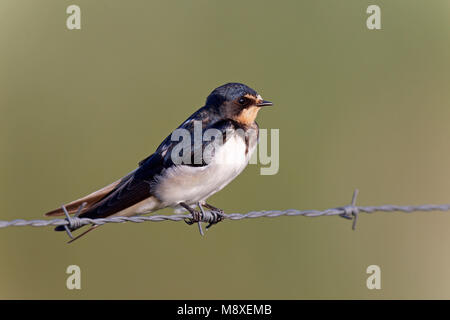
[(237, 101)]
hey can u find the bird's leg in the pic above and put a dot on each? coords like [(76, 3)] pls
[(196, 215), (217, 213)]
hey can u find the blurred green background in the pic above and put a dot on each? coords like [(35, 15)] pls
[(355, 108)]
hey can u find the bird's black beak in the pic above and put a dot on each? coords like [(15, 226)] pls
[(264, 103)]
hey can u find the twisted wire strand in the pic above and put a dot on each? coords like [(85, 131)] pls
[(350, 212)]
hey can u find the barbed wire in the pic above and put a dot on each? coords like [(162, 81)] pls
[(349, 212)]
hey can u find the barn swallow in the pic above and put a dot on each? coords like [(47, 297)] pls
[(160, 182)]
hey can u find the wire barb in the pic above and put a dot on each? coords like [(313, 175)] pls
[(69, 220), (351, 211)]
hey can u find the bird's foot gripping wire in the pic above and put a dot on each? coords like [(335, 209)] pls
[(213, 216), (196, 217), (216, 215)]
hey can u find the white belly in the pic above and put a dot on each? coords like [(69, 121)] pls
[(193, 184)]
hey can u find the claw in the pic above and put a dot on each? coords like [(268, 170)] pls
[(196, 217)]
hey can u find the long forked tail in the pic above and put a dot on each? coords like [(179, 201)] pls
[(82, 205), (90, 206), (89, 200)]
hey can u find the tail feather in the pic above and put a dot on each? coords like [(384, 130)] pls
[(90, 200), (87, 207), (80, 235), (61, 228)]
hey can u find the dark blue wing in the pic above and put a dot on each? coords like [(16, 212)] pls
[(137, 187)]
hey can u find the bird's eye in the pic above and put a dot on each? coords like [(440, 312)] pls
[(243, 101)]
